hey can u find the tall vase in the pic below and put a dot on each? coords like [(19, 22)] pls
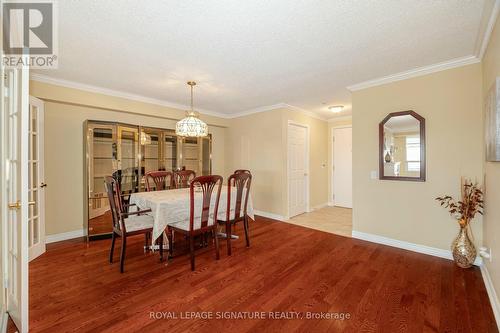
[(464, 251)]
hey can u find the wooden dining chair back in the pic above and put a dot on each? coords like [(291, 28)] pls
[(240, 183), (242, 171), (202, 220), (159, 180), (116, 203), (182, 178), (126, 222)]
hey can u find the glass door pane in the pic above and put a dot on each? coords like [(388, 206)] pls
[(191, 155), (150, 140), (169, 151), (128, 172), (102, 162), (206, 156)]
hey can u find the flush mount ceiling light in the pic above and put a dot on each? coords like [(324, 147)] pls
[(336, 108), (191, 126)]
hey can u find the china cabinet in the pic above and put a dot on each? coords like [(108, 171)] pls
[(127, 152)]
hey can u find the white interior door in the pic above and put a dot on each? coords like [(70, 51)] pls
[(342, 167), (14, 189), (298, 161), (36, 183)]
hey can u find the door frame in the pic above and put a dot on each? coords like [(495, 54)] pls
[(308, 176), (331, 199)]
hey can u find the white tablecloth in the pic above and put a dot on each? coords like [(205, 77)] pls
[(172, 206)]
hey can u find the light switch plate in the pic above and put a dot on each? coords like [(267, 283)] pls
[(373, 174)]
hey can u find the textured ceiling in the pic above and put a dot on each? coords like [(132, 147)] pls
[(250, 54)]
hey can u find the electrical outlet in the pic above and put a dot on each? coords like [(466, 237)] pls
[(485, 253)]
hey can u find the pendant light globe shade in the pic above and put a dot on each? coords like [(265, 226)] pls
[(191, 126)]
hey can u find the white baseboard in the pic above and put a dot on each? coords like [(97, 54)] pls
[(408, 246), (64, 236), (492, 295), (4, 318), (323, 205), (270, 215)]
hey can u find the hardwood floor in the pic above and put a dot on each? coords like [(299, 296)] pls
[(288, 268)]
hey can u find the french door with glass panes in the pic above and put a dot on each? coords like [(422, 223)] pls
[(14, 150), (36, 181)]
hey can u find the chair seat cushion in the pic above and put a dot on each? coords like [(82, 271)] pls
[(138, 222)]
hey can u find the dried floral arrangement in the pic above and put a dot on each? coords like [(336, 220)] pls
[(471, 204)]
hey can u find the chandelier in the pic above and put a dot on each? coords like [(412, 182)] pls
[(191, 126)]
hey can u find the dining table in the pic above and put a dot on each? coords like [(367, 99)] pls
[(172, 206)]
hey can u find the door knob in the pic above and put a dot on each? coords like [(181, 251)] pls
[(42, 185), (15, 205)]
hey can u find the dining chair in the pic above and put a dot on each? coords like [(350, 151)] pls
[(183, 177), (199, 225), (239, 182), (242, 171), (162, 180), (126, 223)]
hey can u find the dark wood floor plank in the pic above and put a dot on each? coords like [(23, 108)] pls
[(288, 268)]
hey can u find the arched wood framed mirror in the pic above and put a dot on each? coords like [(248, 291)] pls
[(402, 147)]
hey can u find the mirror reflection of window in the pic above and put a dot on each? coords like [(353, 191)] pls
[(401, 147), (413, 153)]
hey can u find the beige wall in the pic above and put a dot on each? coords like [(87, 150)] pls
[(259, 142), (64, 144), (332, 124), (450, 101), (254, 142), (491, 70)]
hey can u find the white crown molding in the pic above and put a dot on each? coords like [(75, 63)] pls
[(446, 254), (485, 39), (276, 107), (306, 112), (458, 62), (339, 118), (139, 98), (492, 295), (258, 110), (64, 236), (120, 94), (481, 45)]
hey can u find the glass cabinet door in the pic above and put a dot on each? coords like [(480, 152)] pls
[(170, 151), (150, 142), (191, 155), (102, 159), (206, 156), (128, 171)]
